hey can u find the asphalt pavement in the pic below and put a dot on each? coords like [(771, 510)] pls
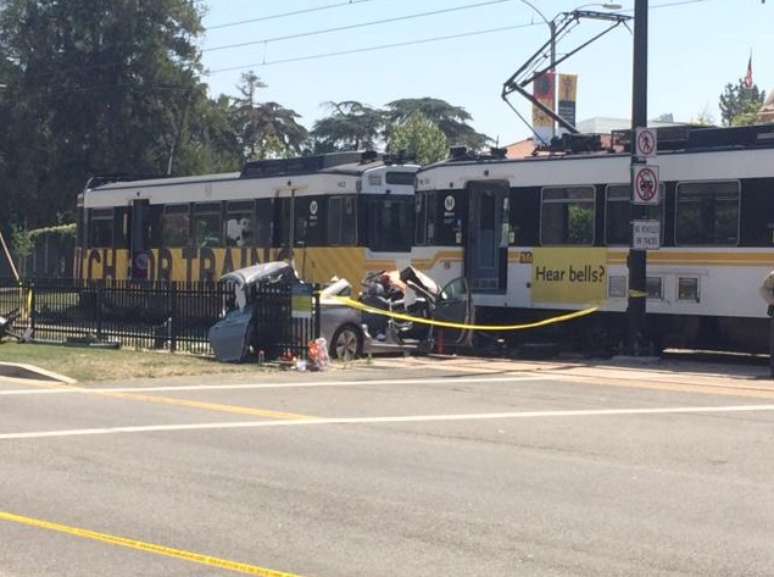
[(402, 467)]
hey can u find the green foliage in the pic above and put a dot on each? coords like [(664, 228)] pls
[(64, 231), (94, 86), (264, 129), (739, 105), (580, 225), (350, 126), (452, 120), (420, 138), (21, 242)]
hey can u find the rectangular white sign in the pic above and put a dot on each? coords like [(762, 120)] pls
[(646, 185), (647, 235), (646, 142)]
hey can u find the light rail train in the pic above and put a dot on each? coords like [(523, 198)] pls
[(341, 214), (551, 232), (531, 236)]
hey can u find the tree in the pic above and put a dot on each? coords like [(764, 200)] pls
[(351, 125), (420, 138), (452, 120), (739, 105), (704, 118), (265, 129), (95, 86)]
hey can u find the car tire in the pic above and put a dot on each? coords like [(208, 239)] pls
[(347, 343)]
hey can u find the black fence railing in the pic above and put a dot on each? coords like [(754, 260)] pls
[(155, 315)]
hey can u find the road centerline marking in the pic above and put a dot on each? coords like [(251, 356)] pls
[(151, 548), (205, 405), (312, 421), (259, 386)]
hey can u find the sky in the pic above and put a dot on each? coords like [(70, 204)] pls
[(696, 47)]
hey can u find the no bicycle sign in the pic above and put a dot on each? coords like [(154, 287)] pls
[(646, 184)]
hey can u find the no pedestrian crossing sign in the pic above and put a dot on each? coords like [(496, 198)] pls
[(646, 142), (646, 186), (647, 235)]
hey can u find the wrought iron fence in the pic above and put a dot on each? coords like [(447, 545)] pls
[(153, 315)]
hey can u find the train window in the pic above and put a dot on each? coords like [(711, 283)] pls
[(175, 225), (401, 178), (264, 222), (567, 216), (375, 179), (618, 214), (101, 227), (707, 213), (239, 224), (426, 223), (688, 289), (208, 225), (616, 287), (655, 287), (342, 222), (390, 224)]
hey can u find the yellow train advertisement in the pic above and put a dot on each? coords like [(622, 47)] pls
[(569, 275)]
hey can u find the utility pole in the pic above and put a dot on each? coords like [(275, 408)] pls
[(552, 26), (637, 298)]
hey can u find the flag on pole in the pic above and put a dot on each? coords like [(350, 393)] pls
[(748, 79)]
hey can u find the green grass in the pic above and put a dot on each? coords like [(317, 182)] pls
[(88, 365)]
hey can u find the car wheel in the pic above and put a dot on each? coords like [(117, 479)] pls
[(347, 343)]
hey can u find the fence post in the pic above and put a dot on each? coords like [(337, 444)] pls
[(317, 321), (99, 312), (31, 304), (173, 317)]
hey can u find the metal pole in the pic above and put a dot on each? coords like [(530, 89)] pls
[(7, 254), (638, 258), (552, 26)]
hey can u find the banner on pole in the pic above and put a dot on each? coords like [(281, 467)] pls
[(568, 91), (544, 90)]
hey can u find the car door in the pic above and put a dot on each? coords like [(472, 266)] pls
[(454, 305)]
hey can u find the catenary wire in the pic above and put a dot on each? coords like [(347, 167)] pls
[(356, 25), (409, 42), (286, 14)]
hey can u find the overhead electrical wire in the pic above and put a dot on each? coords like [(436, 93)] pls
[(373, 48), (286, 14), (357, 25), (364, 49), (410, 42)]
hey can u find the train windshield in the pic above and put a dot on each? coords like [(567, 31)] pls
[(391, 224)]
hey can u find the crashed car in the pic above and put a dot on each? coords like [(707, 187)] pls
[(349, 332)]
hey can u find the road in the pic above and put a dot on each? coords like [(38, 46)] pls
[(396, 468)]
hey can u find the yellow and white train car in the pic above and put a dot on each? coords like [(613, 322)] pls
[(340, 214), (551, 232)]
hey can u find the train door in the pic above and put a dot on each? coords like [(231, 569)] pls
[(486, 246), (139, 239)]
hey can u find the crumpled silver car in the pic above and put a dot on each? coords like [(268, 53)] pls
[(349, 332)]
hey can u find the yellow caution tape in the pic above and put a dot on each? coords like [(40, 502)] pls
[(461, 326), (638, 294)]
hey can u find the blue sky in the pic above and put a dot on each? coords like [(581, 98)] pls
[(695, 49)]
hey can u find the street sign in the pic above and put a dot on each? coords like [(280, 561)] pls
[(647, 189), (647, 235), (646, 143)]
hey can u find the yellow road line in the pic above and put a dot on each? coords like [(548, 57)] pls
[(200, 559), (217, 407)]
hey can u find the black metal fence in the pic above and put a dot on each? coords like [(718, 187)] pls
[(153, 315)]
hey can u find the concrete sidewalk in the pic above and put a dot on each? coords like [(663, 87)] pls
[(679, 375)]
